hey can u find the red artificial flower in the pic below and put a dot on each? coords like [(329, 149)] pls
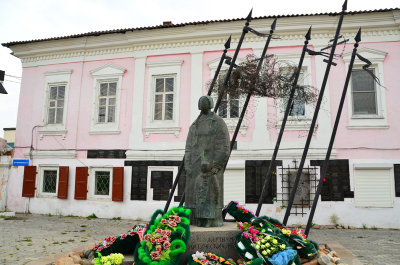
[(158, 248), (155, 255), (131, 233), (164, 221), (172, 223), (158, 230), (214, 257), (159, 240), (163, 232), (167, 244), (123, 237), (168, 233), (147, 237), (165, 238), (177, 219), (153, 241), (245, 211)]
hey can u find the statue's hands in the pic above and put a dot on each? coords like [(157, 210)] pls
[(205, 167), (214, 170)]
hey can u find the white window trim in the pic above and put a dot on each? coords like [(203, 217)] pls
[(159, 69), (92, 183), (302, 122), (174, 170), (106, 73), (60, 77), (374, 121), (230, 122), (40, 192)]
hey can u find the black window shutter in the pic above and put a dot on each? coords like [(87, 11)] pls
[(255, 174), (397, 179)]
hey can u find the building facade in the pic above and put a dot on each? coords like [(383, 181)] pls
[(103, 118)]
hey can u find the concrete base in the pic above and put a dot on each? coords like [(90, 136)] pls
[(7, 214), (219, 240)]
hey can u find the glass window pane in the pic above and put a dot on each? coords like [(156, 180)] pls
[(111, 114), (234, 110), (169, 98), (364, 103), (52, 104), (102, 114), (169, 84), (59, 116), (53, 92), (158, 111), (49, 181), (169, 108), (52, 116), (362, 81), (102, 101), (103, 89), (61, 92), (60, 103), (102, 183), (222, 110), (111, 101), (160, 85), (158, 98), (112, 89)]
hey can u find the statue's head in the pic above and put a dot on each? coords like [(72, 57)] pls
[(206, 103)]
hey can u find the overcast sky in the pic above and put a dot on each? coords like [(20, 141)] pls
[(36, 19)]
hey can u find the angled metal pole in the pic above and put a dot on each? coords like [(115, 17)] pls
[(246, 103), (282, 129), (182, 165), (315, 116), (333, 135), (228, 74)]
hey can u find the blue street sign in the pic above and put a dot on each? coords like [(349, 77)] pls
[(21, 162)]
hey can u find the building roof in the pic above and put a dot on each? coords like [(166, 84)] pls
[(97, 33)]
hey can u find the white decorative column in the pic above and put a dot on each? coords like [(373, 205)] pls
[(196, 83)]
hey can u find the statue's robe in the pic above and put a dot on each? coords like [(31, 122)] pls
[(207, 142)]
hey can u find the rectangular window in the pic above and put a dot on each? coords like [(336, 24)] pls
[(102, 183), (299, 105), (363, 93), (161, 183), (107, 102), (255, 174), (56, 104), (49, 181), (164, 98), (397, 179), (229, 107)]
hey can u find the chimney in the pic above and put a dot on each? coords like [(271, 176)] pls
[(167, 23)]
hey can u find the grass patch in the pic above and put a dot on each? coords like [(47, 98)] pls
[(92, 216), (117, 218), (56, 243), (83, 225), (83, 230), (26, 239), (83, 240), (72, 216), (364, 226), (63, 233), (374, 228), (71, 240)]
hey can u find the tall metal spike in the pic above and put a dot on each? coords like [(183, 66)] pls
[(358, 36), (228, 42), (248, 18), (273, 25), (308, 35), (344, 7)]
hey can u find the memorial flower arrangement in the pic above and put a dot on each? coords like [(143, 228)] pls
[(267, 237), (166, 238), (208, 258), (113, 259), (124, 243)]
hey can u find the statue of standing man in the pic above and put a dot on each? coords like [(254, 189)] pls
[(206, 153)]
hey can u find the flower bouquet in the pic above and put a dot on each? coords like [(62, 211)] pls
[(124, 243), (166, 238), (113, 259), (204, 258)]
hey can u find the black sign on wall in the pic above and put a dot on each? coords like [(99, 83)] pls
[(117, 153), (336, 183)]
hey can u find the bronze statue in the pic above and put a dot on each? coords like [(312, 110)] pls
[(206, 153)]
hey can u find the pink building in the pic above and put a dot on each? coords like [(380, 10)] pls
[(103, 119)]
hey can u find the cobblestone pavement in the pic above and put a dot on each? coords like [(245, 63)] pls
[(31, 237)]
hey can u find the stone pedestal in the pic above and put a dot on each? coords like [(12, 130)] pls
[(219, 240)]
